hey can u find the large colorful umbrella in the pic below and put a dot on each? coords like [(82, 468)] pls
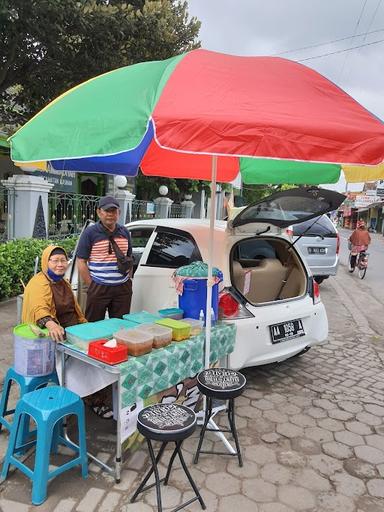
[(205, 115)]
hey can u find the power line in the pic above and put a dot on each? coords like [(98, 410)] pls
[(341, 51), (372, 19), (354, 33), (329, 42)]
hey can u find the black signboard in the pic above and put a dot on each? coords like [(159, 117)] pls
[(63, 181)]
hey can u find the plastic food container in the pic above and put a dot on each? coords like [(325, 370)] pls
[(175, 313), (180, 330), (196, 325), (110, 355), (34, 355), (82, 334), (142, 317), (162, 336), (112, 325), (137, 342)]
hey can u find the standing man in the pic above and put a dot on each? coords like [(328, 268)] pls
[(104, 261)]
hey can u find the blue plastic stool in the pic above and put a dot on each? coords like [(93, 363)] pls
[(47, 406), (26, 385)]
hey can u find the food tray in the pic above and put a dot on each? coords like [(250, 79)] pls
[(180, 330), (175, 313), (110, 355), (162, 336), (142, 317), (137, 342)]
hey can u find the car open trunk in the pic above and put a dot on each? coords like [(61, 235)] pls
[(267, 269)]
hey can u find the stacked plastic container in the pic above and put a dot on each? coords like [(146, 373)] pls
[(137, 342), (162, 336)]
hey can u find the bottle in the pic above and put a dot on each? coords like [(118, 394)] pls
[(201, 316), (213, 317)]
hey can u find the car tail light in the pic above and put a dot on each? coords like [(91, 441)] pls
[(289, 231), (230, 307), (315, 292), (337, 243)]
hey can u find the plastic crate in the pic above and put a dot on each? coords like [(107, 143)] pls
[(162, 336), (180, 330), (110, 355)]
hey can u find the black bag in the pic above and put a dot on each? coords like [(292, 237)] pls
[(124, 262)]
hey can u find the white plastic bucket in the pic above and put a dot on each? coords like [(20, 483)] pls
[(34, 356)]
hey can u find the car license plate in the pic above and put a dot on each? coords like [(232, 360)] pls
[(286, 331), (317, 250)]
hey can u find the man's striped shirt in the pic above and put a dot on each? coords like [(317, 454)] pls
[(95, 247)]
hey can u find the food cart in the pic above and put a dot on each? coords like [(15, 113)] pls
[(163, 375)]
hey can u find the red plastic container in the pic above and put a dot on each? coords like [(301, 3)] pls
[(114, 355)]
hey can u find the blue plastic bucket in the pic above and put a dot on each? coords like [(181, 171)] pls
[(194, 298)]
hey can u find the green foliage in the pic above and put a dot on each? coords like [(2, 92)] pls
[(254, 193), (149, 188), (17, 262), (48, 46)]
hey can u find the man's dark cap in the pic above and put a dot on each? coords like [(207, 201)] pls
[(108, 202)]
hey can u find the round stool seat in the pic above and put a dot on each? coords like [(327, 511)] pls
[(166, 422), (221, 383)]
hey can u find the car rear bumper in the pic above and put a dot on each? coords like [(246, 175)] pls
[(253, 339), (329, 270)]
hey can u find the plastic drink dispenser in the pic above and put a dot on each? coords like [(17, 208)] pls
[(34, 352), (194, 295)]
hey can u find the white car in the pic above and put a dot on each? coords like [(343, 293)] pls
[(267, 290)]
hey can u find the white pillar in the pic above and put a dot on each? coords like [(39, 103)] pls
[(202, 204), (28, 197), (163, 205), (125, 199), (187, 209)]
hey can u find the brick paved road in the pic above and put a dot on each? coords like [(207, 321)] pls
[(311, 429)]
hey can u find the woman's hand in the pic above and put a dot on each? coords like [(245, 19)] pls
[(56, 332)]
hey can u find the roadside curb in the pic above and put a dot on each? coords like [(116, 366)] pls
[(358, 318)]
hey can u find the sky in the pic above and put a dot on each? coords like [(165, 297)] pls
[(287, 27)]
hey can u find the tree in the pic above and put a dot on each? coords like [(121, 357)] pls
[(253, 193), (48, 46), (177, 188)]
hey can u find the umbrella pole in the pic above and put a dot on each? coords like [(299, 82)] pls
[(212, 217), (207, 350)]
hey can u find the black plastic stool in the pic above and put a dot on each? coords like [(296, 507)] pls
[(166, 423), (221, 384)]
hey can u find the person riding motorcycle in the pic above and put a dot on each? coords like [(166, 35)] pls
[(360, 239)]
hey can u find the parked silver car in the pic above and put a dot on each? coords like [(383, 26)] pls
[(319, 243)]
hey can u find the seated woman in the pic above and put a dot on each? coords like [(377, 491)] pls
[(49, 302), (48, 298)]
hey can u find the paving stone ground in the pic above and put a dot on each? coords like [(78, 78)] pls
[(311, 431)]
